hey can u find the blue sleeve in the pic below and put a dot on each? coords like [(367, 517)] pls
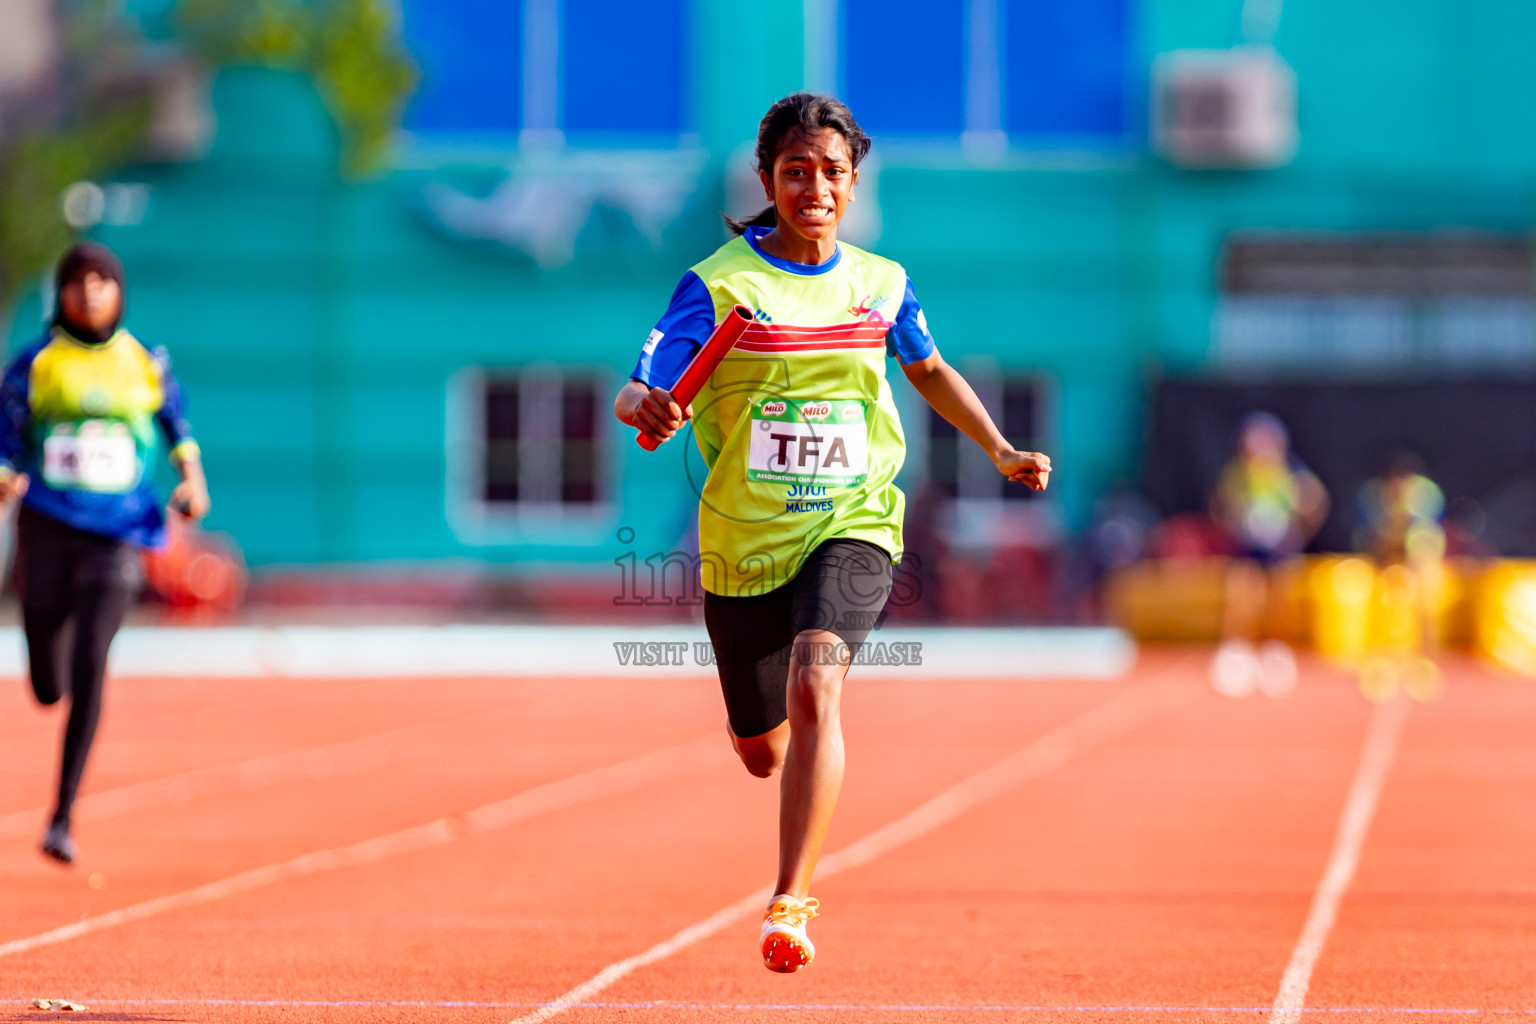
[(16, 408), (172, 415), (680, 333), (908, 339)]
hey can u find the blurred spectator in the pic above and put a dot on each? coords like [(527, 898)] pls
[(1119, 532), (1188, 535), (1400, 515), (1118, 535), (915, 594), (1270, 505), (1466, 523)]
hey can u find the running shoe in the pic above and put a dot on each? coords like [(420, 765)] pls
[(786, 947), (58, 845)]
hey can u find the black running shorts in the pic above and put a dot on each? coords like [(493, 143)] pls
[(841, 588)]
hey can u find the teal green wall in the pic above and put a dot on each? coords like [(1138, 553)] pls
[(316, 324)]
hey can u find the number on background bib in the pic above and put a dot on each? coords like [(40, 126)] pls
[(93, 455), (824, 443)]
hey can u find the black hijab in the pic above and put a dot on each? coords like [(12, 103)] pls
[(82, 258)]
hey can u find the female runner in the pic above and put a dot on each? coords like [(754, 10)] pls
[(799, 518), (77, 415)]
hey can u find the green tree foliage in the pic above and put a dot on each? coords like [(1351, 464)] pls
[(349, 48), (94, 126), (35, 168)]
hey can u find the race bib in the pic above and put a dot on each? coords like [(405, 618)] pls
[(822, 443), (92, 455)]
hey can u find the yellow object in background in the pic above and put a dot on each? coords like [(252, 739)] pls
[(1349, 610), (1288, 611), (1342, 591), (1504, 616), (1169, 600), (1396, 617), (1359, 611)]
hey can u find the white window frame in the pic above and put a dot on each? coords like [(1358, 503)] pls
[(979, 511), (542, 518)]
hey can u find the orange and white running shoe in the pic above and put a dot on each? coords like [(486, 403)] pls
[(786, 947)]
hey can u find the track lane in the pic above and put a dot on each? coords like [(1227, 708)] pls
[(1441, 913), (516, 912), (1164, 877), (220, 780), (153, 727), (1171, 869), (1376, 757), (449, 770), (1100, 724)]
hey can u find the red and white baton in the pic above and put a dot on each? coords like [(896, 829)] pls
[(688, 386)]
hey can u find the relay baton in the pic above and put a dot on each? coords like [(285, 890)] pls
[(692, 381)]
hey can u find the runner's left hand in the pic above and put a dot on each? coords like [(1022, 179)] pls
[(190, 498), (13, 485), (1029, 468)]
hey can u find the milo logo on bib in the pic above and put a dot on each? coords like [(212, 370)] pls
[(819, 442)]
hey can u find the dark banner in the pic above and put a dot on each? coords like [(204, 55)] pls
[(1477, 440)]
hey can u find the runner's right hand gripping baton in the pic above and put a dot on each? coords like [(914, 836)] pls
[(692, 381)]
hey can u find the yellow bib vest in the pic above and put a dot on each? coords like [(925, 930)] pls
[(797, 427)]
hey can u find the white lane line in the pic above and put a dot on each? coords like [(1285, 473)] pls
[(305, 763), (669, 1007), (616, 779), (1354, 822), (1104, 722)]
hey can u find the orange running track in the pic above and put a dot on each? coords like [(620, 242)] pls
[(474, 850)]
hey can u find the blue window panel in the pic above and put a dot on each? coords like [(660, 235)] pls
[(1065, 67), (903, 65), (622, 66), (470, 53)]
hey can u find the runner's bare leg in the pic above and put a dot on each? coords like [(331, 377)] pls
[(813, 762), (763, 755)]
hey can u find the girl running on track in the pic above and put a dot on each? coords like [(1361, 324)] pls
[(77, 414), (799, 517)]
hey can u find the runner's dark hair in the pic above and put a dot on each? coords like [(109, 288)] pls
[(806, 113)]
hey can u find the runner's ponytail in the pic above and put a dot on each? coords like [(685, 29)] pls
[(806, 113), (766, 219)]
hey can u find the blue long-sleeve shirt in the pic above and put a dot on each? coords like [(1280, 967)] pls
[(81, 421)]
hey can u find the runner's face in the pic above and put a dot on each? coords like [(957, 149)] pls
[(812, 183), (92, 300), (1264, 444)]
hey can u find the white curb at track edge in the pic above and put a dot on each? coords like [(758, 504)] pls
[(576, 652)]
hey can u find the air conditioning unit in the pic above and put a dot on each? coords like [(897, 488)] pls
[(1224, 108)]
